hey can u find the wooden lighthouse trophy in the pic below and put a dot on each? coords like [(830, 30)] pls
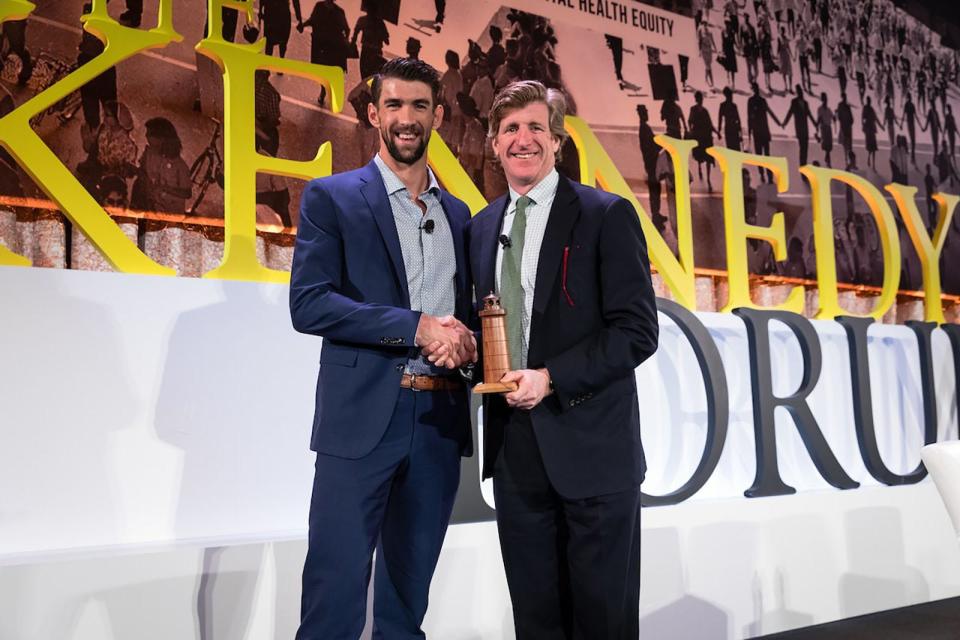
[(496, 351)]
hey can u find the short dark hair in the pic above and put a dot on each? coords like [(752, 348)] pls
[(411, 70)]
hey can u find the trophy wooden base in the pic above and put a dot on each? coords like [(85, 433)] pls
[(495, 387)]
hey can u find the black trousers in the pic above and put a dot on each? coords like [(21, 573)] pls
[(572, 566), (762, 147), (15, 31), (654, 185), (803, 139), (102, 90)]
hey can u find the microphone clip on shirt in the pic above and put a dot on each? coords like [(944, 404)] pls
[(428, 226), (505, 241)]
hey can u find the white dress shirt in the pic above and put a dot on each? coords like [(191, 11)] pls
[(538, 212)]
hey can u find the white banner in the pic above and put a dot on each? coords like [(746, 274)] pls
[(635, 22)]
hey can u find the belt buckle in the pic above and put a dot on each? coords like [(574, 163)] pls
[(413, 382)]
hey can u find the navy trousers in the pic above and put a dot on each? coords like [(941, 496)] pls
[(397, 499)]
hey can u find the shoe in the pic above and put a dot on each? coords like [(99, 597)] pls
[(130, 19)]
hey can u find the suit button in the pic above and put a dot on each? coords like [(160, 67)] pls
[(383, 341), (399, 367), (573, 403)]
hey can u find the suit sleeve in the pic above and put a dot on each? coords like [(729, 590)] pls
[(471, 371), (628, 307), (317, 305)]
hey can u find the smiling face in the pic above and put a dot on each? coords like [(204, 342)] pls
[(525, 147), (405, 115)]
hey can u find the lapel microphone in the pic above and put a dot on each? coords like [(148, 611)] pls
[(428, 226), (505, 241)]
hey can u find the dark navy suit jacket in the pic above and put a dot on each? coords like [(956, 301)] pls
[(349, 285), (594, 320)]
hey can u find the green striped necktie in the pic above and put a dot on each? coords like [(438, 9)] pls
[(511, 285)]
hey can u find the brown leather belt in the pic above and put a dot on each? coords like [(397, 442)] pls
[(430, 383)]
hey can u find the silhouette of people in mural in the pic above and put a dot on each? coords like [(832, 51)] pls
[(329, 38), (276, 20), (672, 117), (799, 112), (372, 32), (845, 122), (889, 121), (870, 123), (163, 179), (701, 130), (950, 128), (14, 33), (728, 43), (728, 121), (758, 126), (910, 118), (649, 150), (932, 123), (615, 44), (825, 118), (102, 90), (707, 48), (899, 159)]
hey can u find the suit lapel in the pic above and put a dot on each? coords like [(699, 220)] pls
[(491, 242), (456, 230), (375, 193), (563, 215)]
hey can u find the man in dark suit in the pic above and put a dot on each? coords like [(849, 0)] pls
[(570, 265), (380, 270)]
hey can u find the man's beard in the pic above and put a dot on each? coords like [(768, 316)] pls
[(408, 157)]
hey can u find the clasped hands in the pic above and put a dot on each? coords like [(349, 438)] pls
[(445, 341)]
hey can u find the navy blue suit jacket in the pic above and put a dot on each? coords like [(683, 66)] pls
[(349, 285), (594, 320)]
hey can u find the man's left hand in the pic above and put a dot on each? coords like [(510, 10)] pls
[(533, 386)]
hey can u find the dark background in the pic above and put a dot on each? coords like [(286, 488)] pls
[(943, 16)]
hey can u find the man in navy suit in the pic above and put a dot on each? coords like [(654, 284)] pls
[(379, 271), (570, 265)]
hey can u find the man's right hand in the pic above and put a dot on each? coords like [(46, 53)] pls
[(445, 341)]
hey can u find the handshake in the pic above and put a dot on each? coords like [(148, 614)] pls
[(445, 341)]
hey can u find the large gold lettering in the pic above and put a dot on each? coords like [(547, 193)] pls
[(242, 161), (450, 172), (15, 10), (929, 251), (737, 230), (820, 181), (596, 166)]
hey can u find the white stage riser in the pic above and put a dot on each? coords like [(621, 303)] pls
[(145, 411)]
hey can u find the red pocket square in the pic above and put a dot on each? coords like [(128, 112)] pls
[(563, 276)]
